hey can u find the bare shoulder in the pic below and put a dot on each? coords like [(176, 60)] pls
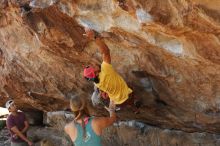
[(99, 121), (97, 125), (71, 130), (69, 126)]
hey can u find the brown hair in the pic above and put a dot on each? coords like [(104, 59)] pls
[(79, 107)]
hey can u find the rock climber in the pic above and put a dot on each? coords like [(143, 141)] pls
[(109, 83)]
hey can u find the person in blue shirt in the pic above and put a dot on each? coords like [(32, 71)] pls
[(85, 130)]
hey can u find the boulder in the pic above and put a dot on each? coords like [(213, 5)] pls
[(167, 51)]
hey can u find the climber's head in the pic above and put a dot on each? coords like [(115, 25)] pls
[(91, 73)]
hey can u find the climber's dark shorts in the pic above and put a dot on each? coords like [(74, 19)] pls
[(131, 101)]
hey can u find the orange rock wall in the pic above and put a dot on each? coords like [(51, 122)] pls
[(167, 51)]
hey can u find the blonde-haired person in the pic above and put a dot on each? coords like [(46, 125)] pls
[(85, 130)]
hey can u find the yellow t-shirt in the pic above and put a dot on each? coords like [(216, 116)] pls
[(113, 84)]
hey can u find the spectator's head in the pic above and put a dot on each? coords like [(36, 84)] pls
[(79, 107), (11, 106)]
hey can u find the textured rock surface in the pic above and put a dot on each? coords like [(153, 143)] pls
[(58, 119), (168, 51), (137, 134), (4, 137), (129, 133), (56, 138), (133, 134)]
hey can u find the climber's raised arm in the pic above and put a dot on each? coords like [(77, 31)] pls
[(106, 79), (103, 48)]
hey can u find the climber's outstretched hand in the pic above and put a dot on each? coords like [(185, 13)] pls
[(103, 48), (111, 107), (89, 33)]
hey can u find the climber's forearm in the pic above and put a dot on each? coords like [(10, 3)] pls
[(104, 50)]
